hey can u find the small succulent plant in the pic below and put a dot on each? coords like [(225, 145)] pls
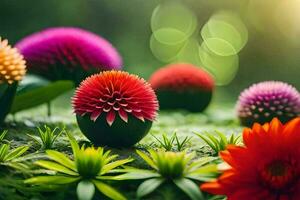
[(266, 100), (47, 137), (179, 168), (183, 86), (173, 142), (115, 108), (90, 168), (68, 53), (9, 157), (12, 70), (218, 141)]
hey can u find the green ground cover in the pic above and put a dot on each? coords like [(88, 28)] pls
[(219, 117)]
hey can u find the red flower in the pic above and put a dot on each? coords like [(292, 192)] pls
[(181, 77), (266, 168), (115, 92)]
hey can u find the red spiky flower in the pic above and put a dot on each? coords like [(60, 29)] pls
[(182, 85), (110, 98), (267, 167)]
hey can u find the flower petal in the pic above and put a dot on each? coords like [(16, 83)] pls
[(123, 115), (275, 126), (95, 115), (247, 136), (138, 115), (110, 117), (292, 127), (212, 187)]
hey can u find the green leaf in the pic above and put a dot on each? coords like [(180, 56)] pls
[(214, 140), (32, 156), (223, 141), (113, 165), (3, 152), (106, 178), (56, 167), (40, 94), (74, 145), (17, 166), (35, 138), (108, 191), (31, 82), (202, 177), (200, 162), (190, 188), (207, 141), (3, 134), (61, 159), (139, 174), (85, 190), (149, 186), (217, 197), (147, 159), (15, 153), (55, 180), (211, 168)]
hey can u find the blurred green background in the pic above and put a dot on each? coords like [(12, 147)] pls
[(272, 51)]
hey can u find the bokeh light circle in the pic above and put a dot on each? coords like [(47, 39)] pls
[(220, 47), (234, 20), (222, 68), (224, 34), (172, 14), (165, 52), (189, 53), (169, 36)]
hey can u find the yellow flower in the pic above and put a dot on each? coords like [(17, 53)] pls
[(12, 63)]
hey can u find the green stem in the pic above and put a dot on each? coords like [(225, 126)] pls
[(7, 94)]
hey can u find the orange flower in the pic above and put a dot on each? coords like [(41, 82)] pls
[(266, 168)]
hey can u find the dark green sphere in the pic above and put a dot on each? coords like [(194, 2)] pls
[(119, 134), (191, 100)]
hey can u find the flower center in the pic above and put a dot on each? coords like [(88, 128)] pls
[(89, 162), (114, 101), (278, 168), (171, 165), (279, 175)]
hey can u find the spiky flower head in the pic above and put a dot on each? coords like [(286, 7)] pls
[(89, 161), (12, 64), (66, 53), (115, 108), (183, 86), (115, 93), (181, 77), (171, 164), (266, 100)]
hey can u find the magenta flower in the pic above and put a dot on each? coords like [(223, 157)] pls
[(266, 100), (68, 53)]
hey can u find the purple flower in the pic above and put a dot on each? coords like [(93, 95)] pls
[(266, 100), (68, 53)]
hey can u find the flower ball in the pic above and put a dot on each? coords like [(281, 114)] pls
[(183, 86), (12, 70), (266, 100), (115, 108), (68, 53)]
